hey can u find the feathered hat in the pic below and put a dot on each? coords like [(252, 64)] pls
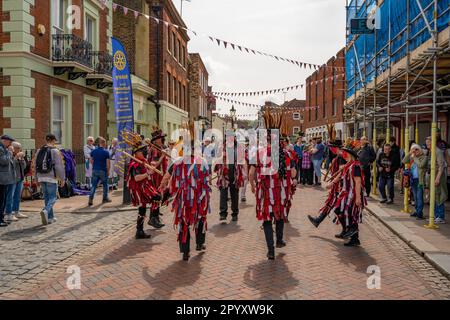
[(352, 147), (157, 133), (331, 132), (134, 140), (272, 120)]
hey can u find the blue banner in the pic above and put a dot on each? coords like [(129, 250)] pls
[(122, 89)]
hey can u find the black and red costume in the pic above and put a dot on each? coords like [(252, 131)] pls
[(143, 193), (274, 192), (190, 191)]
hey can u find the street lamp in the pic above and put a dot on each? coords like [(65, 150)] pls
[(233, 114)]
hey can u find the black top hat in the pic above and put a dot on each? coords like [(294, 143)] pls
[(138, 148), (157, 134), (352, 151)]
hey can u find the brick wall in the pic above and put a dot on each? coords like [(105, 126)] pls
[(321, 91), (196, 66), (41, 113), (167, 62), (293, 106), (42, 14), (124, 27)]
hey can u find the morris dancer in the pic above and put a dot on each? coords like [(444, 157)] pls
[(349, 201), (188, 181), (291, 161), (272, 188), (140, 182), (230, 176), (158, 159), (335, 173)]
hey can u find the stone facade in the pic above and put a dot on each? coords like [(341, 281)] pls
[(34, 99)]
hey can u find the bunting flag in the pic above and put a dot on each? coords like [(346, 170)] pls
[(274, 109), (232, 45), (338, 77)]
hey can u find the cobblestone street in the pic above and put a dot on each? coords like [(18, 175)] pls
[(314, 265)]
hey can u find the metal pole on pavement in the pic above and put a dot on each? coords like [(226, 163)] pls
[(406, 208), (431, 224), (374, 144)]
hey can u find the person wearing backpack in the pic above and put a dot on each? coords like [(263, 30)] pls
[(49, 169)]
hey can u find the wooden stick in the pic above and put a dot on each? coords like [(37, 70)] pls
[(160, 150), (141, 162)]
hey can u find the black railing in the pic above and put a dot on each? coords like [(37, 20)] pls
[(70, 48), (102, 62)]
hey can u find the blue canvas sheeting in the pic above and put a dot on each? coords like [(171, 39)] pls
[(392, 16)]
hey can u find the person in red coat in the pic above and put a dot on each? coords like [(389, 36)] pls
[(142, 189)]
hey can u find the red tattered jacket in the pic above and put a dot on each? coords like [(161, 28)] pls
[(273, 193), (142, 191), (190, 186)]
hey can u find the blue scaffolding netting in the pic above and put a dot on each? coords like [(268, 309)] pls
[(372, 49)]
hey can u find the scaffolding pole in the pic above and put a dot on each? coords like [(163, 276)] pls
[(431, 224), (388, 129), (406, 186)]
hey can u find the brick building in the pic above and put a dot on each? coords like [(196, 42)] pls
[(292, 119), (325, 93), (198, 90), (169, 64), (134, 34), (157, 53), (54, 76)]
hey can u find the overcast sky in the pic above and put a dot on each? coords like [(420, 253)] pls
[(304, 30)]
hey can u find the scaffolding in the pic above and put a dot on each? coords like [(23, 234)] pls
[(399, 75)]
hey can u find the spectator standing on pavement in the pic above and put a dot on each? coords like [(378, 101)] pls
[(317, 158), (87, 149), (15, 190), (100, 168), (49, 170), (7, 173), (396, 153), (440, 182), (387, 166), (298, 148), (418, 164), (367, 156), (307, 168), (113, 177)]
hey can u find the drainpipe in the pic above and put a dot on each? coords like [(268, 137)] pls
[(156, 10)]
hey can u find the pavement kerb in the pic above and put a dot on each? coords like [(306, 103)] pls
[(418, 244), (415, 242), (85, 210)]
